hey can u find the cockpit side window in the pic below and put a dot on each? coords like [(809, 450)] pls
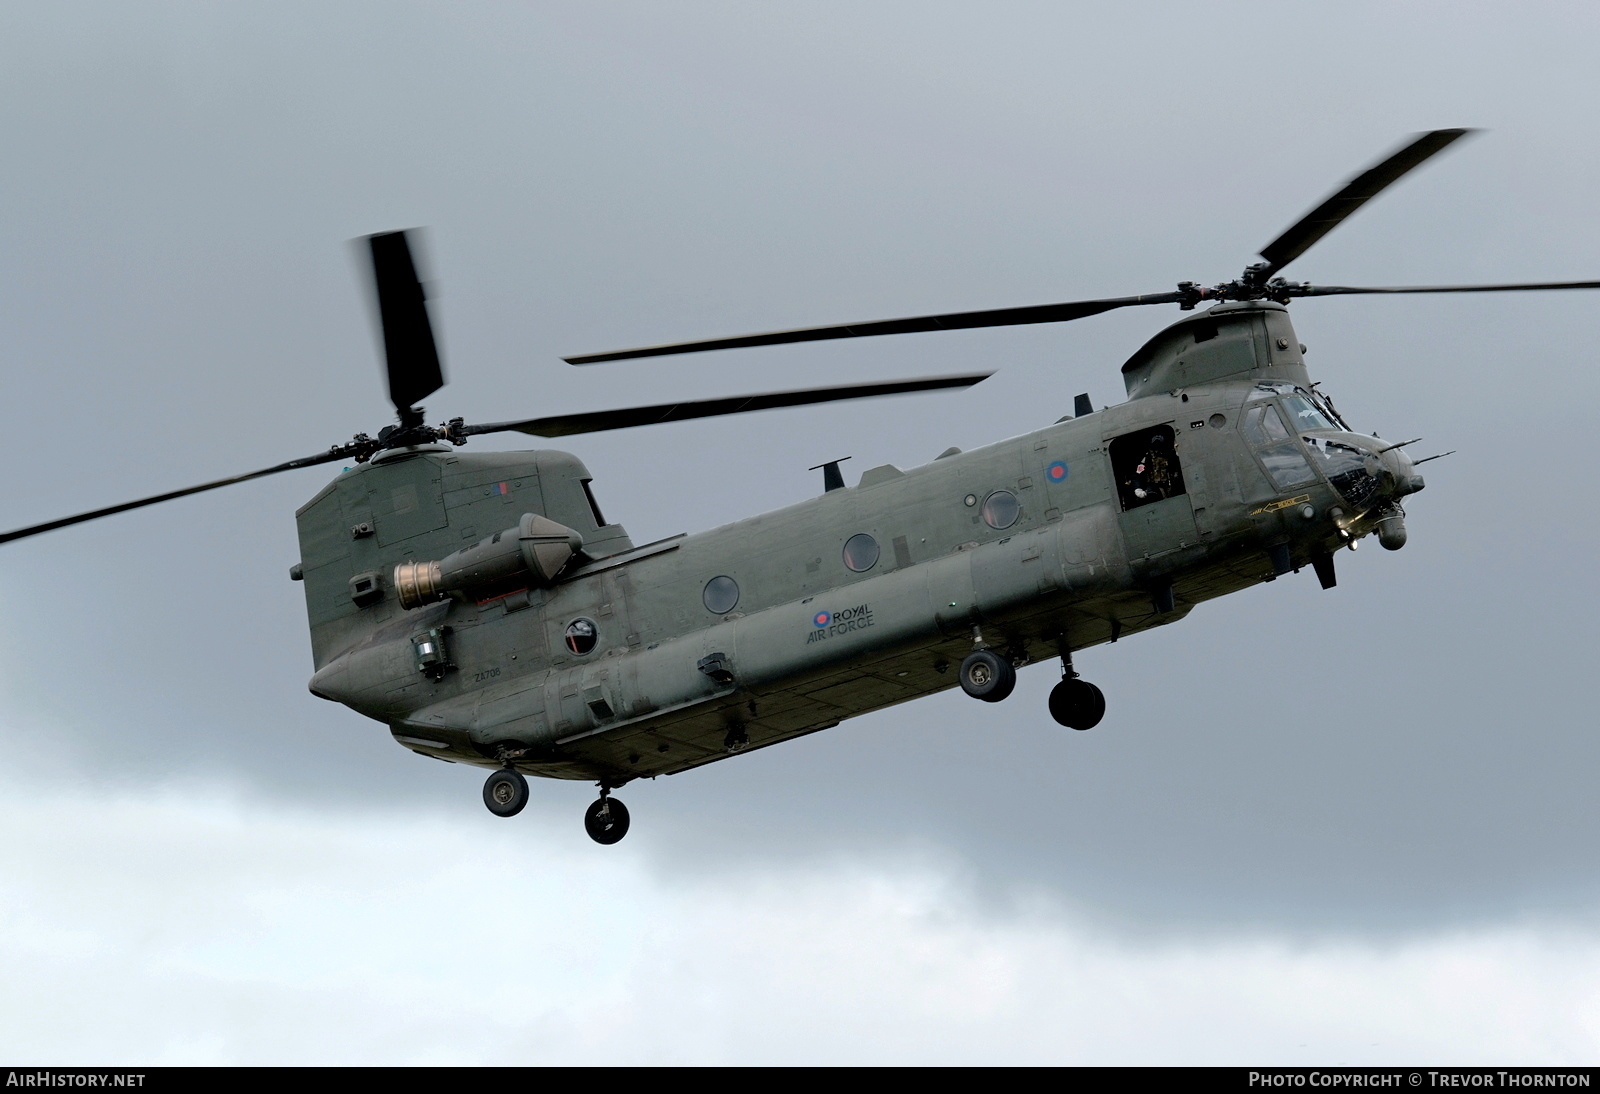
[(1280, 453), (1263, 424), (1287, 465)]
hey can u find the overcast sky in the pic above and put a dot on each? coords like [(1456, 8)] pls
[(1355, 825)]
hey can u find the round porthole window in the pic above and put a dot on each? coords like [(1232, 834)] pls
[(581, 635), (1001, 509), (860, 552), (720, 595)]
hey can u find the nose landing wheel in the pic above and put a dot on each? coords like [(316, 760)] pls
[(606, 820), (505, 793)]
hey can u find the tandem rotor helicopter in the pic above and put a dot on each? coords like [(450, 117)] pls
[(482, 607)]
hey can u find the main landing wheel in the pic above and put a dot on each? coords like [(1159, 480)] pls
[(606, 820), (1077, 704), (986, 675), (505, 793)]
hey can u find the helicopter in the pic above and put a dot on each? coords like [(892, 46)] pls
[(482, 607)]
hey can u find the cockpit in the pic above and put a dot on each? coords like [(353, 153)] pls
[(1275, 444), (1286, 424)]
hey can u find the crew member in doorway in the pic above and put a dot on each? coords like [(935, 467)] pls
[(1152, 475)]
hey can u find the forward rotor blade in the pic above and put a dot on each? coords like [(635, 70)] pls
[(597, 421), (1362, 290), (65, 522), (409, 350), (996, 317), (1305, 232)]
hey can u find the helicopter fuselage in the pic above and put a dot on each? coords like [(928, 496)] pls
[(1221, 471)]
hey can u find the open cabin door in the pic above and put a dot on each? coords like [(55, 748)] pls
[(1157, 515)]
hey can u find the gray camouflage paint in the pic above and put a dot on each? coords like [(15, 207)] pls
[(810, 642)]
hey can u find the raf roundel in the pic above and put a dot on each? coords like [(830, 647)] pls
[(1057, 471), (822, 619)]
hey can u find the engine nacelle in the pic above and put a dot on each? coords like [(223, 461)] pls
[(536, 550)]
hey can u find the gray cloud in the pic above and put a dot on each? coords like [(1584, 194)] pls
[(192, 927)]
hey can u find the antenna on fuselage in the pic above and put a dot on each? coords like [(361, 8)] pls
[(832, 478)]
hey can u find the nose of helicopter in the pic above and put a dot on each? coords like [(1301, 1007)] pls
[(1404, 478), (1373, 477), (1400, 479)]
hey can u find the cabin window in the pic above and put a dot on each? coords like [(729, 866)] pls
[(860, 552), (581, 636), (1001, 509), (1146, 467), (720, 595)]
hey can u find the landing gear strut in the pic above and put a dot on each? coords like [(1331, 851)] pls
[(606, 820), (1075, 703), (505, 792)]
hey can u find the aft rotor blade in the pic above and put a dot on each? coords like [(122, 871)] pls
[(966, 320), (596, 421), (111, 510), (1362, 290), (1305, 232), (409, 350)]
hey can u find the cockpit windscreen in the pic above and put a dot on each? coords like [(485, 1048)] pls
[(1303, 414)]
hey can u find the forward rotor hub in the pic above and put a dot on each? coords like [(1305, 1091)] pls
[(1253, 284)]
